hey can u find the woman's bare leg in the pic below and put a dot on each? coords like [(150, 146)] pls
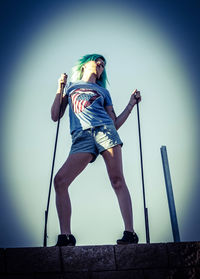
[(73, 166), (113, 160)]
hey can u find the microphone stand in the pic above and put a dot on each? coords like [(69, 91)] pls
[(52, 169), (142, 173)]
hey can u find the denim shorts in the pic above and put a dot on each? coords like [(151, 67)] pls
[(95, 140)]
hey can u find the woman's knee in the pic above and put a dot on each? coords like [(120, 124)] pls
[(117, 181), (60, 183)]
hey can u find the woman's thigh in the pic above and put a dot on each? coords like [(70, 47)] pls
[(113, 161), (73, 166)]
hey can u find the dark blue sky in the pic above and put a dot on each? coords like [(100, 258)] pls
[(21, 19)]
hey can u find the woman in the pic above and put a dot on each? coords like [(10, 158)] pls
[(93, 126)]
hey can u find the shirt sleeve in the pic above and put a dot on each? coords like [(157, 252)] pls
[(107, 100)]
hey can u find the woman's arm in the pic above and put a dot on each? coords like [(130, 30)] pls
[(59, 100), (119, 120)]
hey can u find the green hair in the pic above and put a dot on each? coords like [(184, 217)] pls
[(77, 73)]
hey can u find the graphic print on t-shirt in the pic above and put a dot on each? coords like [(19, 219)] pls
[(83, 98)]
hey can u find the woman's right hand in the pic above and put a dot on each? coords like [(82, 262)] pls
[(60, 101), (62, 81)]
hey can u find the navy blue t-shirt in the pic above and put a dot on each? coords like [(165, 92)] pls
[(87, 102)]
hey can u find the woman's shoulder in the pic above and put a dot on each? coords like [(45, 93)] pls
[(101, 88), (70, 86)]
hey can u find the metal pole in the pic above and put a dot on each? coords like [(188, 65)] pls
[(51, 177), (170, 196), (142, 173)]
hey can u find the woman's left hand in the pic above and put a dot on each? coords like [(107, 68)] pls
[(135, 97)]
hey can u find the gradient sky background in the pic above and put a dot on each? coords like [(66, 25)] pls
[(149, 45)]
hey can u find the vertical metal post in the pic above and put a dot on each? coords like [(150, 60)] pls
[(170, 196)]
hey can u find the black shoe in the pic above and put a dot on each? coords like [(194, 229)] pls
[(66, 240), (128, 238)]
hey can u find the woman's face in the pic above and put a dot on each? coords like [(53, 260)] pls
[(95, 67)]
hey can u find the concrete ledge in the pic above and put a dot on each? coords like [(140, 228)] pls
[(2, 261), (141, 256), (131, 274), (184, 254), (98, 258), (136, 261), (31, 260)]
